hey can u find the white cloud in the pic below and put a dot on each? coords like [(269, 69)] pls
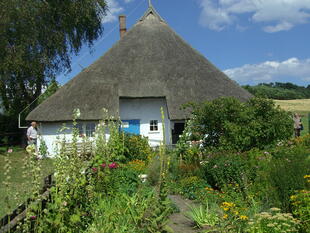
[(128, 1), (113, 10), (275, 15), (271, 71)]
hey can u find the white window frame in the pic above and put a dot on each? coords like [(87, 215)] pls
[(154, 123)]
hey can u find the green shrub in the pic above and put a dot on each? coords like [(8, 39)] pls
[(223, 169), (136, 147), (228, 124), (191, 187), (287, 169)]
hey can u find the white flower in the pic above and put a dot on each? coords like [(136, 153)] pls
[(77, 112), (143, 177)]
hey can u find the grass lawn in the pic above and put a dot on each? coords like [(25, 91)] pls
[(301, 106), (19, 186)]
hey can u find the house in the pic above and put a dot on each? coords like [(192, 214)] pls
[(148, 68)]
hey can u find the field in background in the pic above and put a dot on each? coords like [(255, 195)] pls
[(301, 106)]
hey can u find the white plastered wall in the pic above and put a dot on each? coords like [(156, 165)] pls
[(145, 110), (49, 132)]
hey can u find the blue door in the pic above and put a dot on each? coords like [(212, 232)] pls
[(131, 126)]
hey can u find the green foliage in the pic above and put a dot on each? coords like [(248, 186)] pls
[(228, 124), (51, 88), (225, 169), (190, 187), (203, 216), (286, 172), (43, 148), (136, 147), (137, 213), (152, 170), (280, 91), (37, 39)]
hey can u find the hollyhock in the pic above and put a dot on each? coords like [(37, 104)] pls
[(113, 165)]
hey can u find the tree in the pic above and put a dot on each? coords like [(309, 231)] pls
[(37, 39), (228, 124)]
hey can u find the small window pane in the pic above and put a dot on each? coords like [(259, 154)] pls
[(90, 129), (154, 125)]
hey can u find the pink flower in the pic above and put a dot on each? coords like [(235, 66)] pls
[(10, 150), (94, 169), (103, 165), (33, 217), (113, 165)]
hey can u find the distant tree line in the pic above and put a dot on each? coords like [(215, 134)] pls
[(281, 91)]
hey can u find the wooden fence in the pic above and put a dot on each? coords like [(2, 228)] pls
[(9, 222)]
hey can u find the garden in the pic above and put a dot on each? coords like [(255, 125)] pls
[(236, 166)]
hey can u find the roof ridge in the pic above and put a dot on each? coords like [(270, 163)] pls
[(151, 10)]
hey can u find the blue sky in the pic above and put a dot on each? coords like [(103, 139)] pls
[(252, 41)]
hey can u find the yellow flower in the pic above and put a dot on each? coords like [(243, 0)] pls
[(243, 217), (293, 197), (226, 209), (307, 176), (228, 204), (236, 212), (225, 216)]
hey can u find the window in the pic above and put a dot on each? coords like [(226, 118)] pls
[(154, 125), (79, 126), (90, 129)]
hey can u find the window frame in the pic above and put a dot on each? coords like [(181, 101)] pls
[(154, 126), (89, 131)]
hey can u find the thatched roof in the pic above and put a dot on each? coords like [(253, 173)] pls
[(151, 60)]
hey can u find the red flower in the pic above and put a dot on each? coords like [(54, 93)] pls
[(113, 165), (94, 169), (103, 165), (33, 217)]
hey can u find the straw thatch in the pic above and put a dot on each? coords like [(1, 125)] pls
[(151, 60)]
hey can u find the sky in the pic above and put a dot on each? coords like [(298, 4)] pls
[(252, 41)]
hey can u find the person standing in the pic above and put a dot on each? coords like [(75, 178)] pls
[(297, 124), (32, 134)]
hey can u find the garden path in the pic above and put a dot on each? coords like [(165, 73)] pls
[(179, 223)]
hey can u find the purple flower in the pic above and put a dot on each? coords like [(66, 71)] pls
[(113, 165), (33, 217)]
